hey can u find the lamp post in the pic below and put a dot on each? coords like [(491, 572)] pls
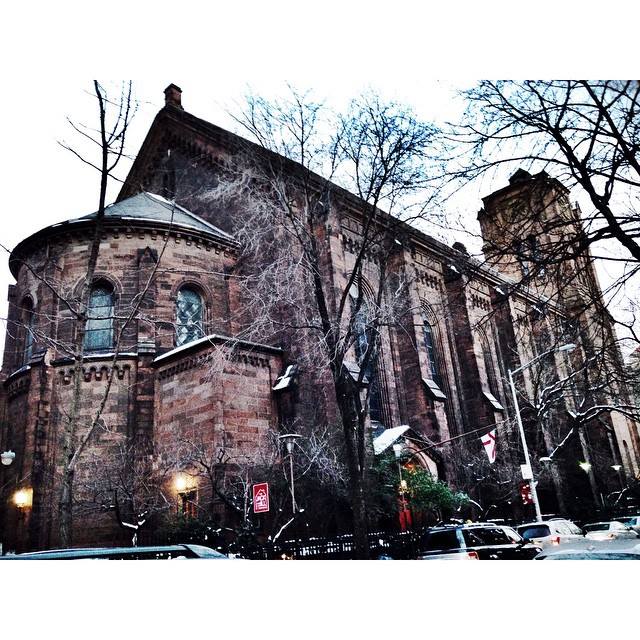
[(289, 440), (527, 459)]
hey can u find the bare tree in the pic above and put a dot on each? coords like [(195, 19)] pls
[(587, 135), (329, 317), (130, 486)]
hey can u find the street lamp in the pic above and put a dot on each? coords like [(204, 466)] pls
[(7, 457), (534, 493), (289, 440)]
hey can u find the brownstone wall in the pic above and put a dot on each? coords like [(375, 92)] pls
[(216, 399)]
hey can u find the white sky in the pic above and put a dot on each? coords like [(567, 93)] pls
[(213, 50)]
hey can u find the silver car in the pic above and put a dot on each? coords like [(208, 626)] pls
[(550, 532), (612, 530)]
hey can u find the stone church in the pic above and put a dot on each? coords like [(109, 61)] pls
[(181, 371)]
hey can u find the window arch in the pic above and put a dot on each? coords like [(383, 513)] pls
[(99, 328), (189, 316), (28, 319)]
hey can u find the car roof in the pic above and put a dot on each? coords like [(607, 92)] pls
[(97, 552), (595, 546)]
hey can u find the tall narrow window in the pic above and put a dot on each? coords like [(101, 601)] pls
[(432, 357), (490, 392), (28, 316), (362, 339), (99, 329), (189, 316)]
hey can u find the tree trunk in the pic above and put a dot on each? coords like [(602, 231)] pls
[(345, 391)]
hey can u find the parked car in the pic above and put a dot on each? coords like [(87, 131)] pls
[(165, 552), (623, 549), (608, 531), (550, 532), (630, 521), (476, 541)]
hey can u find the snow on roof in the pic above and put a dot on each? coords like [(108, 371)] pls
[(151, 207), (214, 338), (388, 437)]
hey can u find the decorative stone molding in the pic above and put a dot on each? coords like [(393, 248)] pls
[(479, 302), (97, 374), (428, 280)]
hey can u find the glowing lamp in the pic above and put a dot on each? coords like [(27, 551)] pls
[(23, 498)]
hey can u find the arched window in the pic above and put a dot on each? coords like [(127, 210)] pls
[(189, 316), (28, 317), (432, 356), (99, 329), (491, 389)]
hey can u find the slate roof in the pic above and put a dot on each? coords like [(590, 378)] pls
[(144, 208), (154, 208)]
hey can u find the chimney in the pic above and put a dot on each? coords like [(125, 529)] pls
[(173, 96)]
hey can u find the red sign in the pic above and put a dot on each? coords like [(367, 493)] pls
[(525, 493), (261, 497)]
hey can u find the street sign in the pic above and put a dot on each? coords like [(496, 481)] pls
[(261, 497), (527, 474)]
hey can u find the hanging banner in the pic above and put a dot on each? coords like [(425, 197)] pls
[(489, 442), (261, 497)]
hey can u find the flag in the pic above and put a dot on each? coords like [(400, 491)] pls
[(489, 442)]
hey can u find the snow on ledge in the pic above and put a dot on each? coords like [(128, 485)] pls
[(214, 339)]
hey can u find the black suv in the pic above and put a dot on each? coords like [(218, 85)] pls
[(475, 541)]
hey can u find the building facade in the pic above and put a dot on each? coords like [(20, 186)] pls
[(166, 336)]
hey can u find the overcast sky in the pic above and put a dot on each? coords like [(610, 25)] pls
[(215, 56)]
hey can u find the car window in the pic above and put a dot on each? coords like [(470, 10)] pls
[(512, 535), (617, 525), (442, 540), (534, 531), (485, 536), (603, 526), (575, 529)]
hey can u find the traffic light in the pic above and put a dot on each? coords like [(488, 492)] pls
[(525, 493)]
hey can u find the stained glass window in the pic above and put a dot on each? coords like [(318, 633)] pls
[(99, 329), (189, 316)]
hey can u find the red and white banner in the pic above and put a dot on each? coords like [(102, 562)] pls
[(489, 442), (261, 497)]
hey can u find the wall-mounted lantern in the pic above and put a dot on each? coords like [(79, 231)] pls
[(23, 498)]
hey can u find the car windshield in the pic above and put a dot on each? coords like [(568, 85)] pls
[(600, 526), (534, 531)]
